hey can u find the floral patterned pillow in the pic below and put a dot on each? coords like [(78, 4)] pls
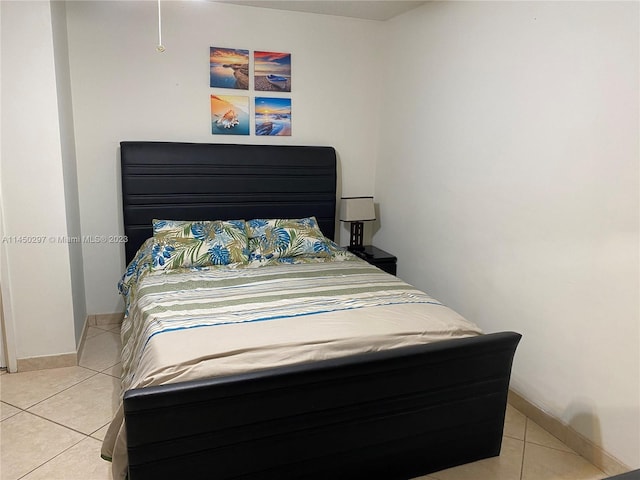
[(283, 238), (181, 244), (136, 270)]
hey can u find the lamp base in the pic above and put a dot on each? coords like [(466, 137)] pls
[(355, 242)]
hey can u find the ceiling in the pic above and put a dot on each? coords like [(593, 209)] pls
[(366, 9)]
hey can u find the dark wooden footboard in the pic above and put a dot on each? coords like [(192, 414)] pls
[(392, 414)]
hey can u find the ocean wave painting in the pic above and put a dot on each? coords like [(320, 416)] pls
[(273, 116), (229, 115), (272, 71), (229, 68)]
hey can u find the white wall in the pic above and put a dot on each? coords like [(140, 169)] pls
[(69, 170), (124, 90), (33, 197), (509, 186)]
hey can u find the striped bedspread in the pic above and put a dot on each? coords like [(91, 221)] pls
[(183, 300), (187, 325)]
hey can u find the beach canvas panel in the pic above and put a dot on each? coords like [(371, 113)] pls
[(273, 116), (272, 71), (229, 68), (229, 115)]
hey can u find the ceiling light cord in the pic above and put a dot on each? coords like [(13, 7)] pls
[(160, 48)]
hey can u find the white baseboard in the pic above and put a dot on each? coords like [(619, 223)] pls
[(105, 319), (572, 439), (68, 359), (47, 361)]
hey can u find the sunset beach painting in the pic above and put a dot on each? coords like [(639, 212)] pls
[(229, 68), (273, 116), (229, 115), (272, 71)]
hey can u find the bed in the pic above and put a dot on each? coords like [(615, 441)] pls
[(392, 410)]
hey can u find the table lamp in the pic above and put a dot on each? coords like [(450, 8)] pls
[(357, 210)]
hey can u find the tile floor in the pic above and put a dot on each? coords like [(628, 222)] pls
[(53, 421)]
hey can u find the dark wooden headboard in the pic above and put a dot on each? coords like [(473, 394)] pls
[(202, 181)]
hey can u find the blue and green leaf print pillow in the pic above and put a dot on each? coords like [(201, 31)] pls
[(137, 268), (199, 243), (281, 238)]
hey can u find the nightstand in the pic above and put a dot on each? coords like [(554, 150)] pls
[(379, 258)]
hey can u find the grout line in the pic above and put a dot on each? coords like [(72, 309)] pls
[(104, 329), (102, 332), (53, 395), (106, 368), (557, 449), (64, 389), (55, 456), (99, 439), (20, 410), (61, 425), (571, 450), (524, 446), (584, 447), (117, 377), (14, 406)]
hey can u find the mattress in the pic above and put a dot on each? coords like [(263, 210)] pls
[(188, 324)]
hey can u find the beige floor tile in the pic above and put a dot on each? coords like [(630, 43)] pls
[(25, 389), (7, 411), (536, 434), (93, 331), (85, 407), (505, 467), (80, 462), (514, 424), (115, 371), (101, 352), (101, 433), (542, 463), (114, 328), (28, 441), (105, 319)]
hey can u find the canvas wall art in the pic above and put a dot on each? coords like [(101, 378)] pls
[(272, 71), (273, 116), (229, 68), (229, 115)]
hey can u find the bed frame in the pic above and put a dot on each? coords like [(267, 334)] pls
[(393, 414), (199, 181)]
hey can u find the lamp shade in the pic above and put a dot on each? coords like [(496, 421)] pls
[(357, 209)]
